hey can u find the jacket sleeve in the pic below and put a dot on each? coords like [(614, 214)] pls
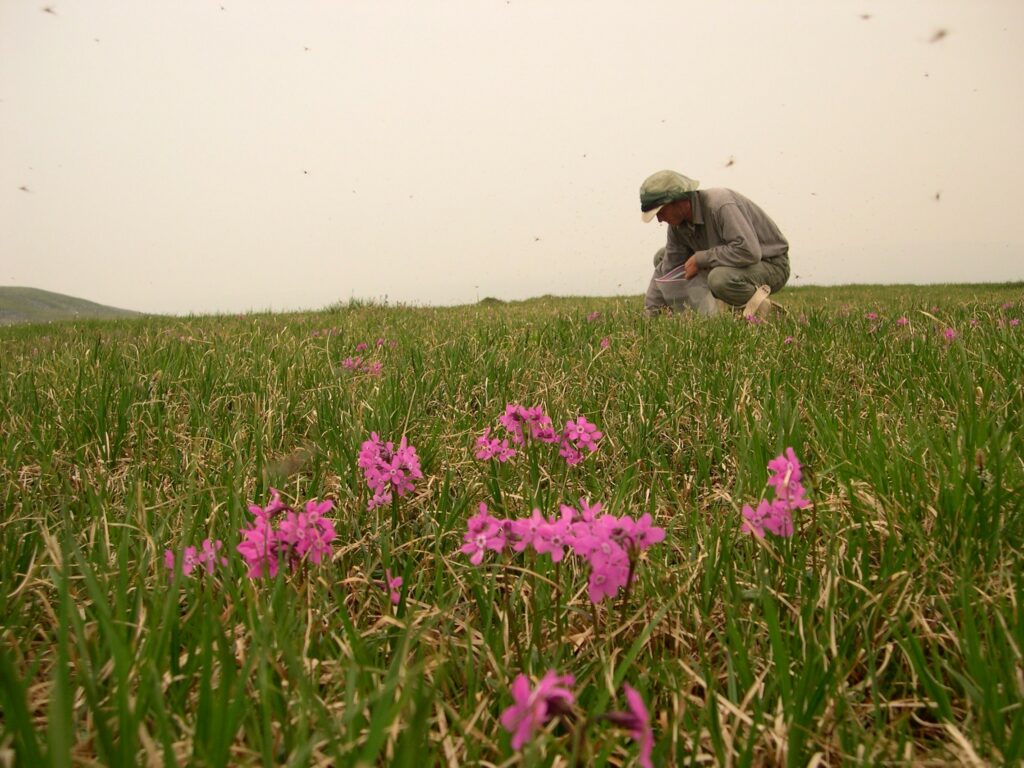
[(741, 247)]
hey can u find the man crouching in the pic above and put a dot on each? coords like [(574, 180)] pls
[(722, 250)]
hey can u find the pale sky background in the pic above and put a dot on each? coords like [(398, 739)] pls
[(227, 155)]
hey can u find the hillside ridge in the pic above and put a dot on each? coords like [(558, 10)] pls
[(34, 305)]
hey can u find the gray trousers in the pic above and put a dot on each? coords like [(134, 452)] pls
[(733, 285)]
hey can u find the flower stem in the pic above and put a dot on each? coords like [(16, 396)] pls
[(629, 585)]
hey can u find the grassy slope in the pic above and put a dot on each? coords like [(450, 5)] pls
[(886, 631), (31, 305)]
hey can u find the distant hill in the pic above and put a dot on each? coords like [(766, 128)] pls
[(31, 305)]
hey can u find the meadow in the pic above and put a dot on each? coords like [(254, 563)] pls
[(885, 630)]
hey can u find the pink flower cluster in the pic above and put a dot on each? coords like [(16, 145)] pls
[(607, 543), (388, 470), (358, 365), (362, 346), (578, 436), (777, 516), (534, 706), (525, 423), (281, 535), (492, 448), (207, 558)]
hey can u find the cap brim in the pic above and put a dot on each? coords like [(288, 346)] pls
[(648, 215)]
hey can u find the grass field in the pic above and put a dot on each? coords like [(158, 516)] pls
[(886, 630)]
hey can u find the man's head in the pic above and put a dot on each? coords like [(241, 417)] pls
[(661, 191), (676, 212)]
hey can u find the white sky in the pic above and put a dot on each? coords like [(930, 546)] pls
[(228, 155)]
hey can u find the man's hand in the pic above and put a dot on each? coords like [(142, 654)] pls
[(690, 268)]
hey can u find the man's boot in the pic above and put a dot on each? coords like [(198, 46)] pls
[(760, 305)]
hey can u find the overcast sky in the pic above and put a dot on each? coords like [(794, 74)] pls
[(228, 155)]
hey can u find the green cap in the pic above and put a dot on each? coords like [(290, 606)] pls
[(662, 188)]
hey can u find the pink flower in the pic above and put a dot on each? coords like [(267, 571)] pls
[(207, 558), (606, 342), (871, 316), (532, 708), (551, 537), (527, 422), (644, 534), (578, 436), (210, 556), (607, 543), (607, 576), (484, 533), (780, 520), (772, 516), (1015, 322), (361, 346), (393, 586), (638, 722), (259, 547), (297, 537), (949, 334), (362, 366), (593, 316), (787, 479), (777, 516), (753, 319), (789, 340), (753, 519), (189, 560), (309, 534), (524, 530), (588, 511), (582, 432), (388, 469), (570, 454), (903, 321), (493, 448)]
